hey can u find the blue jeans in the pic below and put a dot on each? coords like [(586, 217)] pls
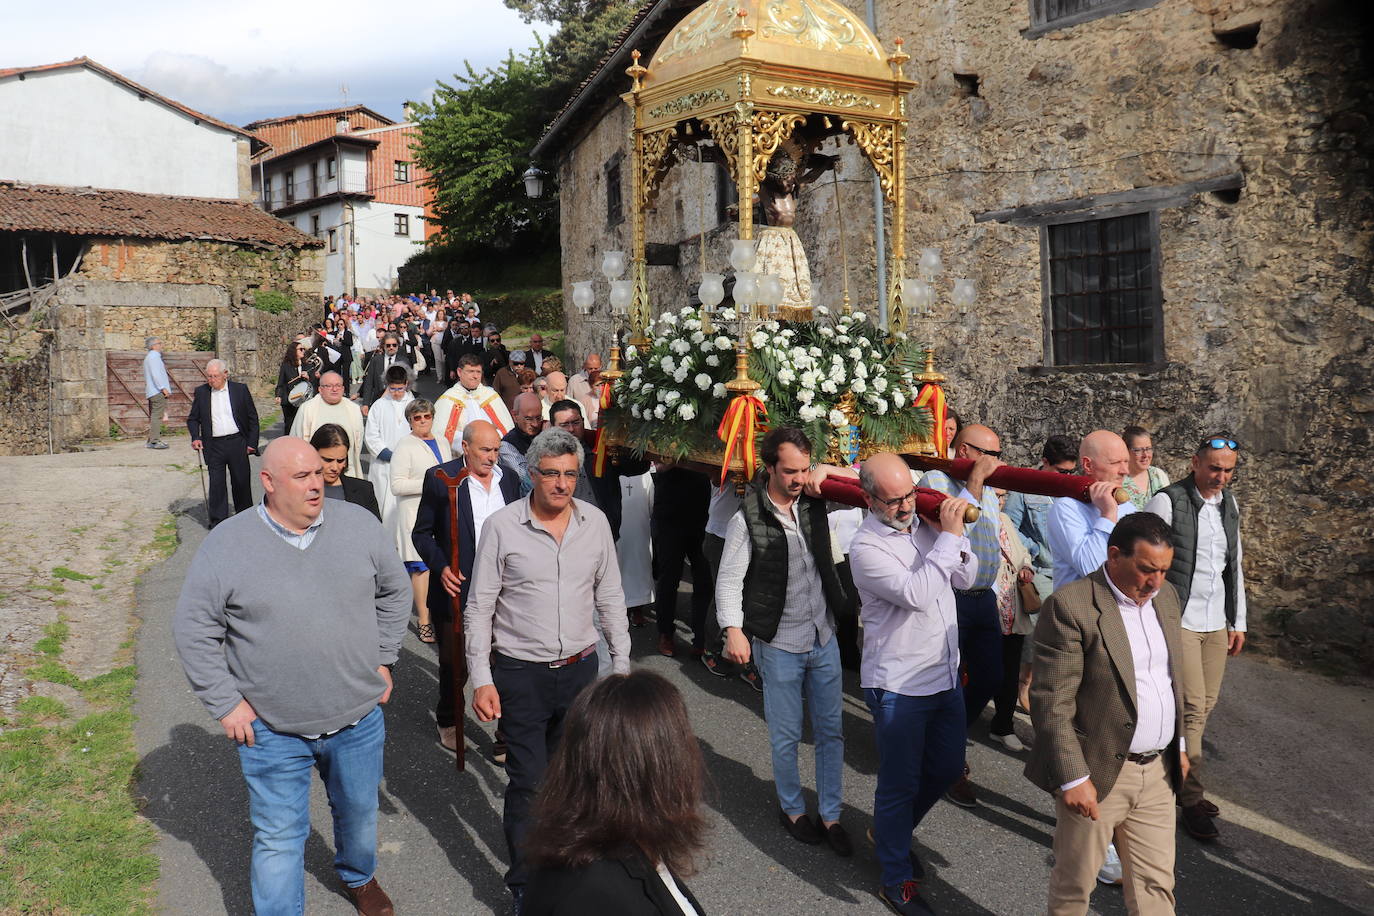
[(980, 649), (787, 676), (920, 755), (277, 769)]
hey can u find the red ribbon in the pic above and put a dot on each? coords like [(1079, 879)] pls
[(737, 428)]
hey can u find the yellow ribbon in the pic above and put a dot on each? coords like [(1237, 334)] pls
[(737, 428)]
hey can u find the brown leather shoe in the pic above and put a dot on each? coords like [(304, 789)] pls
[(1198, 824), (963, 794), (665, 645), (371, 900)]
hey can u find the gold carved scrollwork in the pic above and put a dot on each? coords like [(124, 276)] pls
[(692, 36), (689, 102), (827, 96), (800, 21), (722, 129), (876, 141), (770, 129), (654, 163)]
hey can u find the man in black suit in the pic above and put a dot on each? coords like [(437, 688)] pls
[(467, 338), (536, 354), (485, 488), (223, 423), (374, 379)]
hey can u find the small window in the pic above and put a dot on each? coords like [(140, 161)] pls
[(401, 171), (402, 224), (1047, 15), (329, 167), (615, 209), (1103, 296), (315, 225), (290, 187), (333, 240), (267, 192)]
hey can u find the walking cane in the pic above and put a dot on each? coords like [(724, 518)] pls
[(204, 494)]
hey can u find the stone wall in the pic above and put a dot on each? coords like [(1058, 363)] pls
[(1267, 306), (25, 386), (127, 327)]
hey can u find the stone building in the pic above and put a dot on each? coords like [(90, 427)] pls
[(1166, 208), (347, 176)]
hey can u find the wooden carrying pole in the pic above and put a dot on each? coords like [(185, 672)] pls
[(458, 660)]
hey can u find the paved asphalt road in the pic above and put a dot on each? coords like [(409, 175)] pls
[(1290, 768)]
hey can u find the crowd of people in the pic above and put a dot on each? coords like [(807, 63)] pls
[(482, 518)]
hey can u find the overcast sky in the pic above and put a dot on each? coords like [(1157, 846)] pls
[(243, 60)]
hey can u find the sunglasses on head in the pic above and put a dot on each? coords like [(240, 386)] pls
[(1220, 442)]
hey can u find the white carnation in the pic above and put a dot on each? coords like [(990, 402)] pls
[(860, 316), (634, 382), (728, 314), (865, 342), (858, 386), (673, 397), (809, 378), (881, 407), (680, 347), (838, 419), (901, 335), (718, 390), (807, 413), (829, 387), (880, 384), (634, 411), (703, 381), (897, 400), (660, 412), (814, 351), (822, 310), (638, 370), (686, 411), (648, 386), (698, 337), (860, 370), (806, 395), (668, 364), (855, 353), (723, 343), (681, 374), (786, 376), (668, 318), (713, 360), (631, 353), (827, 332), (759, 340)]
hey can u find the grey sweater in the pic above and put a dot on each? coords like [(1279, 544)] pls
[(297, 633)]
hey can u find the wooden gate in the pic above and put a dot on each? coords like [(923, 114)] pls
[(129, 404)]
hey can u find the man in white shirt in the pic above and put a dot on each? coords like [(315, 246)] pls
[(905, 570), (1207, 574), (1108, 721), (157, 387)]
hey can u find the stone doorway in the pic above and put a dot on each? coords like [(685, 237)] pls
[(124, 381)]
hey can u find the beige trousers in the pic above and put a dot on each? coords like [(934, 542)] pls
[(1201, 666), (1139, 816)]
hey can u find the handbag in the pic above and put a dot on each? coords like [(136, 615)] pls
[(1030, 598)]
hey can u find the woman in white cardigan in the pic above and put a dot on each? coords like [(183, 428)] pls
[(413, 455)]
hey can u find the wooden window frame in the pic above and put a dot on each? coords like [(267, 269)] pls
[(401, 224), (1043, 22), (400, 171), (333, 241)]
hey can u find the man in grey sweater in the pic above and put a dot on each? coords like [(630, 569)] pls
[(287, 627)]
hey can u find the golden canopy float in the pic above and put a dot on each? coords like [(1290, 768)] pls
[(758, 86)]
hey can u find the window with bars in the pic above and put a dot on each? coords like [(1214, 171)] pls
[(400, 171), (615, 204), (1057, 14), (1103, 299)]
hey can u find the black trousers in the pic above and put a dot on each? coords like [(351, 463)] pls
[(673, 545), (227, 453), (980, 648), (534, 701), (1004, 701)]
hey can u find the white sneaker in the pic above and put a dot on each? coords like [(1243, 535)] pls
[(1111, 869), (1010, 742)]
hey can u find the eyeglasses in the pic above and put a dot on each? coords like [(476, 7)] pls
[(551, 474), (393, 346), (1147, 450), (422, 416), (1220, 443), (897, 500), (332, 387), (494, 339), (991, 453), (1067, 470)]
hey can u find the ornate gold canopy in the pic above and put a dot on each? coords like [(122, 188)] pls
[(749, 73)]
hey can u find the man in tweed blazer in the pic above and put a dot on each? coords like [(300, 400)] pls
[(1108, 720)]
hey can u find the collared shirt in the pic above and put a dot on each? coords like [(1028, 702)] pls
[(534, 598), (725, 504), (221, 413), (982, 534), (299, 541), (155, 379), (1206, 608), (805, 621), (1154, 687), (905, 581), (1078, 536), (485, 500)]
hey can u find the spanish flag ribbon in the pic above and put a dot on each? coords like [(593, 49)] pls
[(932, 397), (602, 446), (737, 428)]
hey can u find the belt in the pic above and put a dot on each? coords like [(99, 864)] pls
[(230, 436), (974, 592), (572, 659), (1144, 758)]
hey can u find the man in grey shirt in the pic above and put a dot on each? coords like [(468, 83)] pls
[(778, 586), (546, 566), (287, 627)]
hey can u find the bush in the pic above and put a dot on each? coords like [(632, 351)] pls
[(272, 302), (539, 309), (204, 341)]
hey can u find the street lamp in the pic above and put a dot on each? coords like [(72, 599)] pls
[(534, 183)]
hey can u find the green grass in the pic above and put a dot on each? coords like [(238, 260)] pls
[(62, 572), (71, 838)]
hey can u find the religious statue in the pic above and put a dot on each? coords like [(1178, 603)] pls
[(780, 251)]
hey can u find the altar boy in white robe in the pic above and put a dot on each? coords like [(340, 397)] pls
[(387, 425)]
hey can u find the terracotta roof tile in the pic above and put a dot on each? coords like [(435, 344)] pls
[(126, 214), (124, 80)]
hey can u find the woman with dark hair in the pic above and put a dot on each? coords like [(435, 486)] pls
[(293, 371), (612, 830), (331, 442), (1143, 478)]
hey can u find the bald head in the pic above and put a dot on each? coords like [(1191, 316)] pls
[(886, 479), (980, 437), (528, 411), (558, 387), (481, 448), (293, 480), (1104, 456)]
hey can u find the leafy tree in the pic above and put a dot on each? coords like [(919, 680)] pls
[(475, 138), (586, 29)]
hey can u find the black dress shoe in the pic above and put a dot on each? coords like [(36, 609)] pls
[(838, 840), (1198, 824), (803, 829)]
